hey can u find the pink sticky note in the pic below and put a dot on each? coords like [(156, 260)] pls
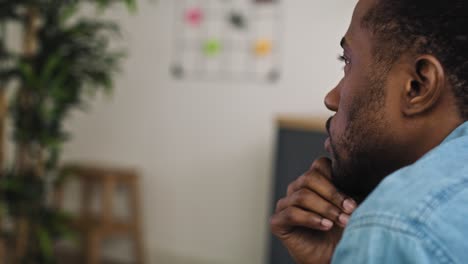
[(194, 16)]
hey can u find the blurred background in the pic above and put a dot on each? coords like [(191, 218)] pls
[(195, 118)]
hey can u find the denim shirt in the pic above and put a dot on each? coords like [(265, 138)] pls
[(419, 214)]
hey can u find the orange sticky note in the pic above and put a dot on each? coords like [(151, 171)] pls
[(262, 47)]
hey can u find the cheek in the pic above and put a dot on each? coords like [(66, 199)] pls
[(393, 101), (339, 135), (341, 118), (348, 122), (339, 124)]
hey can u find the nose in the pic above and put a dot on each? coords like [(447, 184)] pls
[(332, 100)]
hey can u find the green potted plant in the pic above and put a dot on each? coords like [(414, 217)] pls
[(65, 59)]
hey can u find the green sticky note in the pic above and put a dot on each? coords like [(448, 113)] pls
[(212, 47)]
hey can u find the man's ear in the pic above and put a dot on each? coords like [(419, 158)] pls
[(425, 86)]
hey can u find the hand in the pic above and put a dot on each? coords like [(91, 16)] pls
[(310, 219)]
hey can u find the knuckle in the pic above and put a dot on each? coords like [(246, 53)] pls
[(300, 197), (315, 164), (280, 203), (337, 197), (311, 181), (274, 224), (322, 166), (332, 211), (318, 163), (315, 175), (323, 159), (289, 215), (315, 221), (273, 221), (306, 179), (300, 180)]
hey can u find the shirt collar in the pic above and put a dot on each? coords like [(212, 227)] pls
[(460, 131)]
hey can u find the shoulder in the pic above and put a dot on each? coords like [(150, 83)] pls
[(425, 186), (424, 203), (387, 241)]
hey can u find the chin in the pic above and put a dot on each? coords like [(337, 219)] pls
[(352, 178)]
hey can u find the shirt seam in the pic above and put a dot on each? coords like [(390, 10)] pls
[(400, 225), (439, 198)]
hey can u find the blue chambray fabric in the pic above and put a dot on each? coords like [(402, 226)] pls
[(419, 214)]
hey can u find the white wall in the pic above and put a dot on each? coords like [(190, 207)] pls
[(205, 150)]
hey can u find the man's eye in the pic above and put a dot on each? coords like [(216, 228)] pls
[(344, 59)]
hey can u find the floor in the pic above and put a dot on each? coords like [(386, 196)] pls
[(75, 258)]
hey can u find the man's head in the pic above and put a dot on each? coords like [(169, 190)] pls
[(405, 88)]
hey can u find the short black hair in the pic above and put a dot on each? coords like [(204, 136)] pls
[(436, 27)]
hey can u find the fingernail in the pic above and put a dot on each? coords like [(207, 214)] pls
[(349, 205), (326, 223), (343, 219)]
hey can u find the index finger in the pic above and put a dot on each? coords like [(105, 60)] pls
[(315, 181), (322, 165)]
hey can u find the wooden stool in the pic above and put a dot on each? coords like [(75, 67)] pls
[(2, 252), (95, 228)]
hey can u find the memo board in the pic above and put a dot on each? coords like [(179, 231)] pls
[(227, 40)]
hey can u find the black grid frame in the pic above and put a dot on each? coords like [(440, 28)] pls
[(236, 60)]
